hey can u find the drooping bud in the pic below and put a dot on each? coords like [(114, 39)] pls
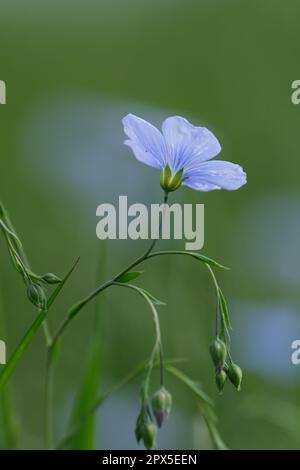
[(145, 431), (170, 182), (50, 278), (139, 427), (218, 353), (149, 435), (221, 378), (37, 296), (161, 405), (235, 375)]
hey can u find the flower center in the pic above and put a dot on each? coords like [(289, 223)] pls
[(170, 182)]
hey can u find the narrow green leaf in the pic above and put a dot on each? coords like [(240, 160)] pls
[(8, 412), (224, 309), (207, 260), (213, 432), (193, 254), (75, 309), (85, 399), (129, 276), (151, 297), (191, 384), (16, 356), (54, 350), (61, 285), (205, 406), (27, 338), (91, 380)]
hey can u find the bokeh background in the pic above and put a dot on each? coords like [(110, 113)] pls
[(73, 69)]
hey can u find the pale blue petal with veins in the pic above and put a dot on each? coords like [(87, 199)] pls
[(183, 146)]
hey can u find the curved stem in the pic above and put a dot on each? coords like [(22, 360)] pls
[(217, 299), (158, 344), (193, 386), (76, 309), (128, 378), (74, 312)]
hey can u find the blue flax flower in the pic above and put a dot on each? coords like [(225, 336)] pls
[(184, 154)]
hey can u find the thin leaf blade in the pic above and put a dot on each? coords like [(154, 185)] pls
[(129, 276)]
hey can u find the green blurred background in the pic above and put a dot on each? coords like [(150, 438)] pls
[(73, 69)]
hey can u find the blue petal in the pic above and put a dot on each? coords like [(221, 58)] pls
[(216, 175), (146, 141), (188, 145)]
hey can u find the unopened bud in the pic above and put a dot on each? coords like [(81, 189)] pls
[(161, 405), (149, 435), (37, 296), (50, 278), (235, 375), (170, 182), (145, 431), (221, 378), (139, 428), (218, 353)]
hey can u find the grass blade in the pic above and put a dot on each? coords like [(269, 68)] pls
[(191, 384), (87, 394)]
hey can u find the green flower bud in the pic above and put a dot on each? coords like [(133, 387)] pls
[(235, 375), (149, 435), (50, 278), (161, 405), (170, 182), (221, 378), (37, 296), (145, 431), (139, 427), (218, 353)]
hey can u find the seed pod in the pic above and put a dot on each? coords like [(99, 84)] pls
[(161, 405), (235, 375), (218, 353), (50, 278), (221, 378), (37, 296)]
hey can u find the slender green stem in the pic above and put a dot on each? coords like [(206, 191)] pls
[(147, 255), (47, 334), (224, 333), (79, 306), (27, 338), (74, 312), (217, 298), (128, 378), (76, 309), (194, 387), (137, 371), (158, 344), (49, 403)]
